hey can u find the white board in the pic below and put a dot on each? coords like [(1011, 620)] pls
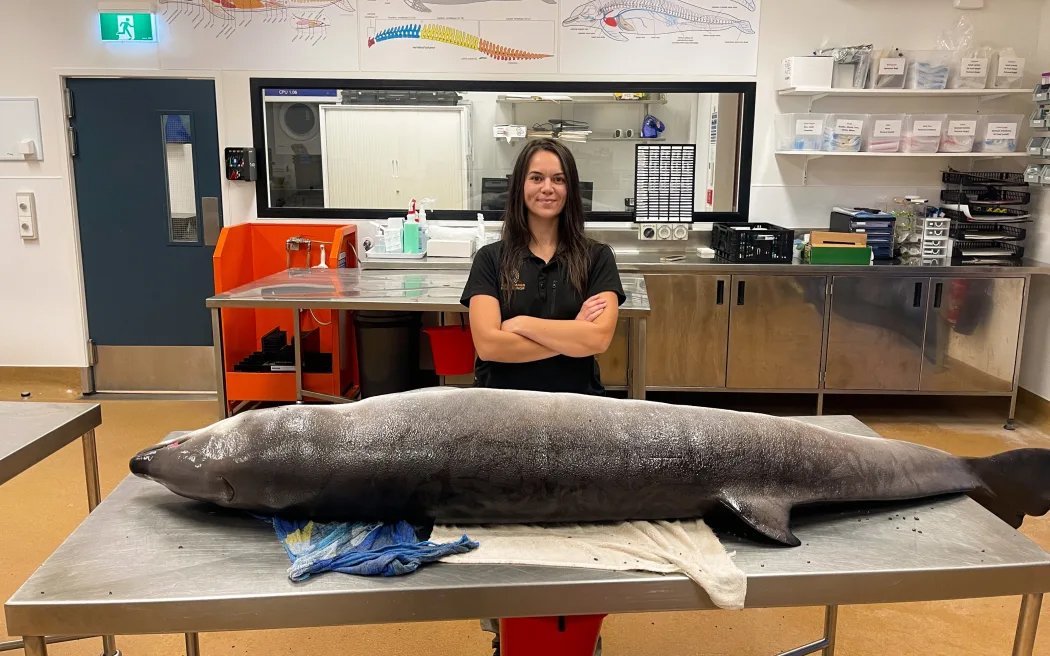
[(19, 119)]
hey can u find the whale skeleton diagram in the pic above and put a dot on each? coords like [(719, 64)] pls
[(618, 18)]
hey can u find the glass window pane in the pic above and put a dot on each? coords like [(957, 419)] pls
[(183, 224)]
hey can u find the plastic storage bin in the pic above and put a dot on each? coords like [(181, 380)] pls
[(844, 133), (882, 133), (929, 69), (922, 133), (998, 133), (960, 131), (762, 243), (888, 70), (387, 351), (800, 131)]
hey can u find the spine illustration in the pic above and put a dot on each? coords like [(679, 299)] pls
[(452, 36)]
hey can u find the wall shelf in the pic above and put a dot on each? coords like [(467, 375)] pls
[(814, 154), (986, 94), (505, 100)]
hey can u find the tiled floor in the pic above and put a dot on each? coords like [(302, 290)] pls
[(39, 508)]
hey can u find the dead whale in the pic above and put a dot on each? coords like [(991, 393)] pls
[(468, 456)]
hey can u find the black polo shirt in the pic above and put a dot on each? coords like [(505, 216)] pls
[(542, 291)]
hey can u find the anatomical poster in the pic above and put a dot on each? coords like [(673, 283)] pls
[(698, 37), (458, 36), (316, 35)]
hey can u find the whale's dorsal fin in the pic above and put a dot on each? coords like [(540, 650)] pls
[(767, 516)]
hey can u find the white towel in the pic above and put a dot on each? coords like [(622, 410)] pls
[(688, 547)]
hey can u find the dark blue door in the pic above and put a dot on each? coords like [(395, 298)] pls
[(147, 175)]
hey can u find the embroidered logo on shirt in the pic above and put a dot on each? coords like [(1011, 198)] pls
[(515, 283)]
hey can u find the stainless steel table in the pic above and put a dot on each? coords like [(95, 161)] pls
[(177, 566), (413, 291), (34, 431)]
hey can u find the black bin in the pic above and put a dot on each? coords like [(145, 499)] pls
[(387, 351)]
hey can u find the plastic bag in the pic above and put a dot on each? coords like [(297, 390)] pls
[(857, 56), (1008, 71), (888, 69), (971, 63), (929, 69)]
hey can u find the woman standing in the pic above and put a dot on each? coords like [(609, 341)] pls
[(544, 299)]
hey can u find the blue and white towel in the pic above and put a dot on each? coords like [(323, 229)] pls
[(363, 548)]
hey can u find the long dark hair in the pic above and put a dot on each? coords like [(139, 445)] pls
[(573, 246)]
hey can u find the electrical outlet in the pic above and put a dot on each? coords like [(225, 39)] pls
[(663, 232), (26, 214)]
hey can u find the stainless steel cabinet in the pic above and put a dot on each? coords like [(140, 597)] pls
[(972, 331), (776, 331), (875, 333), (687, 330)]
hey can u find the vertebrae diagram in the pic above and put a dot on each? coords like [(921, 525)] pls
[(452, 36), (618, 18)]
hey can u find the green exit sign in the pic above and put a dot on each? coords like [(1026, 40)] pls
[(119, 26)]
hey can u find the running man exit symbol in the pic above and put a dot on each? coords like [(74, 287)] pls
[(126, 27)]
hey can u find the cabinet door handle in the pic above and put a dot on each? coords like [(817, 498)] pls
[(918, 295), (740, 292), (938, 288), (720, 292)]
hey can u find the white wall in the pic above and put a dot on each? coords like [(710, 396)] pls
[(1035, 365), (41, 286)]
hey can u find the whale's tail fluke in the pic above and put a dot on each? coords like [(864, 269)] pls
[(1014, 484)]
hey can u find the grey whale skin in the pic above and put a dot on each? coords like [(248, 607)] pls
[(463, 456)]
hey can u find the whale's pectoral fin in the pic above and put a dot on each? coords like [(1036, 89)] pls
[(767, 516)]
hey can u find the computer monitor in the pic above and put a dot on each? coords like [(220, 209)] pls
[(494, 194)]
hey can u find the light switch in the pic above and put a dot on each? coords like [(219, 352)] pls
[(26, 206)]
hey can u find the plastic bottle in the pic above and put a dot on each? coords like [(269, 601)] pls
[(481, 230)]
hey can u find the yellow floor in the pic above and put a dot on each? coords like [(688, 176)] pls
[(39, 508)]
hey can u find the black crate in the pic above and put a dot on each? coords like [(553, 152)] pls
[(990, 215), (986, 197), (972, 178), (1012, 254), (1012, 233), (756, 243)]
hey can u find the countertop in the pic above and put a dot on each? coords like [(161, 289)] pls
[(634, 261)]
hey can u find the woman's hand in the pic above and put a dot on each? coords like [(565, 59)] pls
[(592, 308), (512, 325)]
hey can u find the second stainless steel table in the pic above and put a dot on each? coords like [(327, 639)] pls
[(411, 291), (182, 567), (33, 431)]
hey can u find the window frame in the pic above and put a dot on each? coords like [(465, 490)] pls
[(745, 146)]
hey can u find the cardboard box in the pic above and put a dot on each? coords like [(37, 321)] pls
[(838, 248), (806, 72)]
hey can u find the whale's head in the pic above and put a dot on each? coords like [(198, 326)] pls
[(205, 464), (587, 14)]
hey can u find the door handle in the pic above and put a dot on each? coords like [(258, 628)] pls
[(720, 292), (937, 289), (918, 295), (212, 221), (740, 292)]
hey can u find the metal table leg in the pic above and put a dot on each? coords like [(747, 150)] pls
[(1027, 623), (825, 645), (35, 646), (193, 645), (297, 348), (94, 495), (220, 369), (636, 357)]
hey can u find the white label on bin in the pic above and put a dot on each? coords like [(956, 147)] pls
[(892, 66), (887, 128), (1002, 131), (973, 67), (809, 126), (962, 128), (927, 128), (1011, 66), (849, 126)]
